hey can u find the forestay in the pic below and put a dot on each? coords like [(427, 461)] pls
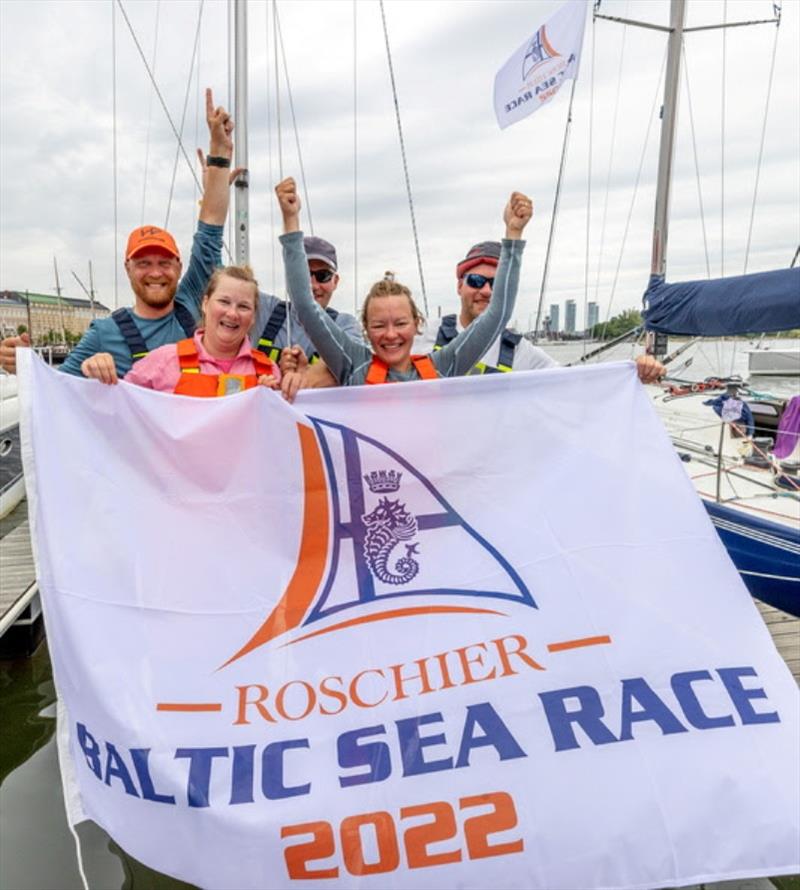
[(385, 638)]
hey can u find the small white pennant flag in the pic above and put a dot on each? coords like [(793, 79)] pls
[(536, 71)]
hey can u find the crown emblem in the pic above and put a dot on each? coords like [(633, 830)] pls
[(383, 480)]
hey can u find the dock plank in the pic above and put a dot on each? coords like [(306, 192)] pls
[(785, 631), (17, 571)]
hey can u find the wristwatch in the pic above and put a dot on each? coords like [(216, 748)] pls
[(217, 161)]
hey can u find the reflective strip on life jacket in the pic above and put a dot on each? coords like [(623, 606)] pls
[(448, 331), (276, 320), (133, 336), (379, 370), (194, 383), (266, 342)]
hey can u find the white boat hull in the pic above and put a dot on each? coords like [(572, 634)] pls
[(12, 484)]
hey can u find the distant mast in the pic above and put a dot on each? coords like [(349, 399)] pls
[(241, 204)]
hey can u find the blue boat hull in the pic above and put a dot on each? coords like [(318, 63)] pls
[(766, 554)]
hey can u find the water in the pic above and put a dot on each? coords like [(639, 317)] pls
[(37, 850)]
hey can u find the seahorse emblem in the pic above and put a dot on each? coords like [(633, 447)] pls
[(388, 526)]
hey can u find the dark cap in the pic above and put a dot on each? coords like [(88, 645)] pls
[(485, 252), (320, 249)]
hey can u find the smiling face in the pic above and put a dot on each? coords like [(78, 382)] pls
[(229, 313), (391, 329), (322, 290), (154, 277), (474, 300)]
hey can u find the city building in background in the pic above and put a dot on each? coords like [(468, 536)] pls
[(46, 317), (569, 317), (555, 320), (593, 315)]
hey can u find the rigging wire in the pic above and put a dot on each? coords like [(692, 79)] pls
[(722, 138), (150, 115), (277, 87), (608, 174), (294, 121), (229, 105), (114, 144), (272, 238), (185, 107), (589, 167), (763, 136), (158, 93), (355, 157), (403, 154), (696, 161), (654, 104), (197, 112)]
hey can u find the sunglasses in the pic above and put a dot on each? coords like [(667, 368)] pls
[(321, 276), (477, 281)]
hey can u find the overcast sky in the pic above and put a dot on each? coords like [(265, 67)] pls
[(57, 122)]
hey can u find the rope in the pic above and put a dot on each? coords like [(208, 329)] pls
[(355, 157), (696, 161), (185, 107), (636, 185), (763, 135), (403, 154), (78, 854), (608, 174), (114, 145), (294, 122), (158, 93), (150, 115)]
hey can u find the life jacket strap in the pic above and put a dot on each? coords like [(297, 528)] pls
[(379, 371)]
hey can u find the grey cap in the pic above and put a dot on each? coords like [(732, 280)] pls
[(320, 249)]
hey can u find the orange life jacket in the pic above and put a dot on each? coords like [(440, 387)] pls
[(193, 383), (379, 370)]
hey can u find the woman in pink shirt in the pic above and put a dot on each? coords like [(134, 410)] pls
[(218, 360)]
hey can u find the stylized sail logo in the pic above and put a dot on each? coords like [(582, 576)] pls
[(360, 547), (538, 52)]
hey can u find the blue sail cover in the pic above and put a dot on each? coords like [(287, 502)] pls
[(764, 301)]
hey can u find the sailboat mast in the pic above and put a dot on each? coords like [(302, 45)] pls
[(241, 203), (669, 114)]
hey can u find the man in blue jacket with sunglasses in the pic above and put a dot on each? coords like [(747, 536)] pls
[(510, 351)]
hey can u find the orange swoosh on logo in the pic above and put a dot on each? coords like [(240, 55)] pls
[(551, 50), (395, 613), (577, 644), (307, 576), (188, 707)]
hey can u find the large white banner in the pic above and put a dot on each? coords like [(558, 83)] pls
[(471, 633), (537, 70)]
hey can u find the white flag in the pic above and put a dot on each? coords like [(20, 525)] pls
[(387, 638), (536, 71)]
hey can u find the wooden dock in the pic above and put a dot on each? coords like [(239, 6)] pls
[(20, 612), (785, 630)]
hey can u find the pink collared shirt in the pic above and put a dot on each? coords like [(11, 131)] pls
[(161, 368)]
